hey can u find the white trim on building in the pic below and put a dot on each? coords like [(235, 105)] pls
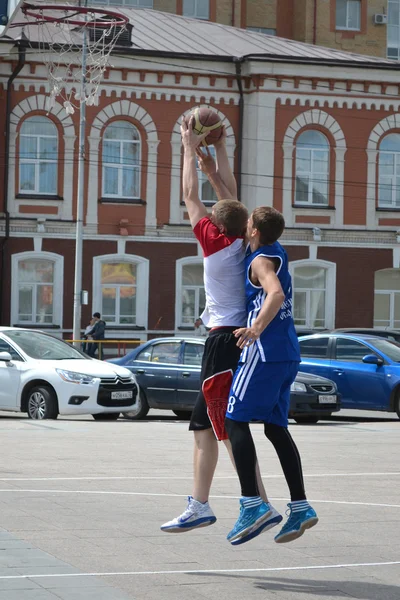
[(123, 108), (180, 263), (384, 126), (327, 122), (142, 284), (330, 290), (39, 102), (58, 286)]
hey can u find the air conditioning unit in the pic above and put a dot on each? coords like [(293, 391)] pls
[(381, 19)]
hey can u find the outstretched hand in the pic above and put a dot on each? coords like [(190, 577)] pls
[(190, 139), (206, 161)]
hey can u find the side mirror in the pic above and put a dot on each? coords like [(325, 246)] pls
[(372, 359), (5, 357)]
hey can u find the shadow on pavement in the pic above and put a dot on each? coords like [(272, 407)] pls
[(364, 590)]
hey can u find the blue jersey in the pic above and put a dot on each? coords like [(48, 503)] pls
[(278, 342)]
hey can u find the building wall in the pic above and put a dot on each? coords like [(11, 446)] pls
[(261, 14), (350, 237), (310, 21), (371, 39)]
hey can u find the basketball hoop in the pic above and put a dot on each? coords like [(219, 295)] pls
[(75, 43)]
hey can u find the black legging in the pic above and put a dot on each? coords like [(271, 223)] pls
[(244, 453)]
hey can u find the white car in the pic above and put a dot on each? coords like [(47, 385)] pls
[(44, 377)]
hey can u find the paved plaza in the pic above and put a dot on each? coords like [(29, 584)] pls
[(81, 503)]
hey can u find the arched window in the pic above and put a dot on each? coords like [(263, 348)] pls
[(389, 171), (37, 288), (313, 294), (120, 289), (312, 169), (38, 154), (121, 161), (387, 298), (190, 294)]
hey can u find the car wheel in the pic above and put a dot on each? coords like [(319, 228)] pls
[(183, 414), (306, 420), (141, 409), (106, 417), (42, 403)]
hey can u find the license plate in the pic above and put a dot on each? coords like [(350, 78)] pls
[(121, 395), (325, 399)]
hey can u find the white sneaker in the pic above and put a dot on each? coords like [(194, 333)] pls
[(195, 516)]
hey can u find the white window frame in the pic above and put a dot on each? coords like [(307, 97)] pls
[(142, 287), (391, 294), (330, 291), (121, 166), (347, 28), (58, 287), (37, 162), (180, 263), (195, 15), (394, 203), (312, 174)]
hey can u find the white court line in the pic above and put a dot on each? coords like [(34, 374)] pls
[(161, 477), (200, 571), (112, 493)]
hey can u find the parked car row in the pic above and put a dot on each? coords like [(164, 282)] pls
[(44, 376), (168, 374)]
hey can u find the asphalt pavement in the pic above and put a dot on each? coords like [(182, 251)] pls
[(81, 503)]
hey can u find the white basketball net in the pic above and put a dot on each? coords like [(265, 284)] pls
[(61, 50)]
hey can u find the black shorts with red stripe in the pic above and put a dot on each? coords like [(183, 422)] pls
[(220, 359)]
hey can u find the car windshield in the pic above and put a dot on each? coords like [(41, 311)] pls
[(42, 346), (391, 349)]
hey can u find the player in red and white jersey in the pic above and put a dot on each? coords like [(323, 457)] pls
[(221, 237)]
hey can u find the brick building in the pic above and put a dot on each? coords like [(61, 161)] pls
[(314, 132), (364, 26)]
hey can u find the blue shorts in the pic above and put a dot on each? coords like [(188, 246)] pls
[(261, 391)]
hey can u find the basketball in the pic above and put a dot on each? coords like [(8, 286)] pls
[(206, 119)]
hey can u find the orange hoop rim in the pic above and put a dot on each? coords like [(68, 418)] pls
[(36, 12)]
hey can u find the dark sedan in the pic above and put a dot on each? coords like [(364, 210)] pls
[(390, 334), (168, 373)]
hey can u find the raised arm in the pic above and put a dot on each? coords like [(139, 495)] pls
[(190, 141), (223, 166), (208, 166)]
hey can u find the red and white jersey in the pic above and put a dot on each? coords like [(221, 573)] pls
[(223, 276)]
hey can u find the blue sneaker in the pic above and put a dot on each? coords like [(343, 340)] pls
[(271, 522), (252, 521), (296, 525), (195, 516)]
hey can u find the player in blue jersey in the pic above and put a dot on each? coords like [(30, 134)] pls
[(261, 386)]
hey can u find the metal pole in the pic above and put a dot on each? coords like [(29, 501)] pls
[(80, 200)]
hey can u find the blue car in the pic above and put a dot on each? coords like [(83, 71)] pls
[(365, 368), (168, 373)]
